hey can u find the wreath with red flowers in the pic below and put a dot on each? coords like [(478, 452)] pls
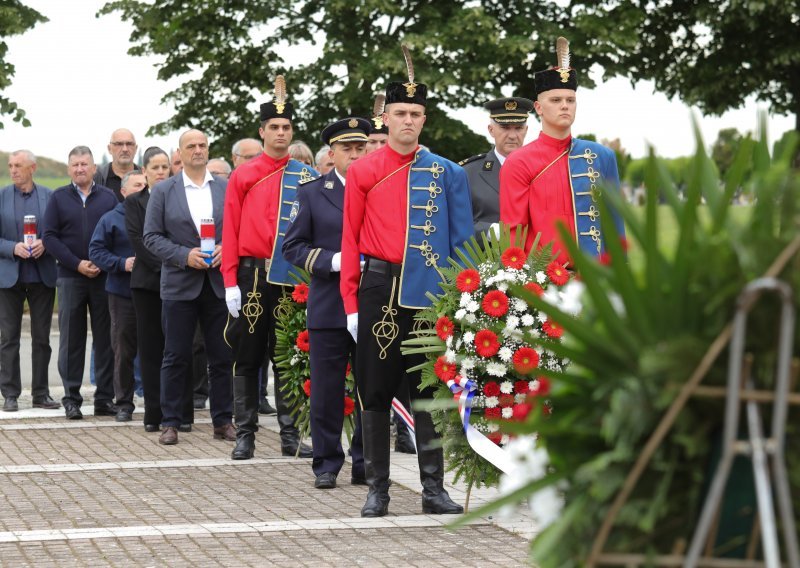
[(292, 355), (482, 328)]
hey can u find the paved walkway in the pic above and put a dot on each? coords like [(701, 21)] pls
[(95, 492)]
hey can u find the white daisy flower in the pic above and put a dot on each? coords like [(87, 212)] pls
[(506, 387), (527, 320), (473, 306), (469, 337), (520, 305), (505, 354), (512, 322), (468, 363), (460, 314), (470, 318), (541, 277), (496, 369), (492, 401), (466, 297), (450, 356)]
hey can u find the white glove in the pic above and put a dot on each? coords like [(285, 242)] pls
[(336, 262), (361, 264), (352, 325), (495, 228), (233, 297)]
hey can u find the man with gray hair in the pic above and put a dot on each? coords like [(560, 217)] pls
[(27, 272), (69, 221), (324, 160), (219, 167), (122, 148), (245, 150)]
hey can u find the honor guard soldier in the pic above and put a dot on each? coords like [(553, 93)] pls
[(508, 125), (260, 196), (313, 242), (406, 210), (557, 177)]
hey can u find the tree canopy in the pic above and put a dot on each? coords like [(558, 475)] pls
[(15, 19)]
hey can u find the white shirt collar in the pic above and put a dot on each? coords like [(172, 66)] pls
[(500, 157), (189, 183), (341, 177)]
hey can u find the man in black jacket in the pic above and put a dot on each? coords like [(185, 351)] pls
[(68, 224), (122, 148)]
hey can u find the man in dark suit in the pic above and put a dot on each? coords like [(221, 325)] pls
[(191, 285), (26, 273), (508, 125), (314, 242)]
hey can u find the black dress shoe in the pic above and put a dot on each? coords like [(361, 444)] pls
[(440, 504), (152, 427), (72, 411), (10, 405), (124, 415), (325, 480), (377, 504), (105, 408), (290, 450), (46, 402), (245, 446), (265, 408), (185, 428)]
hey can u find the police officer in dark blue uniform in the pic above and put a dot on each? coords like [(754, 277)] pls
[(313, 243)]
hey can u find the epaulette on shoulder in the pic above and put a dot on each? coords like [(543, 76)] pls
[(472, 159), (309, 180)]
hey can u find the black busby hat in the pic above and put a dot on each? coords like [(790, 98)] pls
[(277, 108), (562, 76), (411, 92), (346, 130), (376, 122), (510, 110)]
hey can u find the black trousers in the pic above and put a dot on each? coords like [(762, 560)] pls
[(123, 341), (382, 326), (199, 366), (75, 296), (40, 301), (252, 334), (331, 349), (176, 378)]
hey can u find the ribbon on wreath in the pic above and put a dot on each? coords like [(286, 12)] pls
[(406, 417), (463, 391)]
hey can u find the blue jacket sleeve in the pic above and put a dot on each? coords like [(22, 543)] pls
[(298, 246), (611, 174), (102, 245), (459, 210)]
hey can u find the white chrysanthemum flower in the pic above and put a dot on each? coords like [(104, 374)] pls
[(450, 356), (546, 506), (505, 354), (571, 296), (460, 314), (533, 385), (527, 320), (492, 401), (538, 350), (541, 277), (520, 305), (466, 297), (470, 318), (535, 332), (507, 413), (512, 322), (469, 337), (468, 363), (541, 317), (502, 286), (496, 369), (552, 296), (294, 360), (506, 387), (492, 426), (449, 341), (473, 306)]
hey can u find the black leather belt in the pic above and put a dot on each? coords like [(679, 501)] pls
[(252, 262), (383, 267)]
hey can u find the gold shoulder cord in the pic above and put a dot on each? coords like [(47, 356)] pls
[(547, 167)]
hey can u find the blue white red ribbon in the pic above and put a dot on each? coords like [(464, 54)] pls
[(463, 391), (406, 417)]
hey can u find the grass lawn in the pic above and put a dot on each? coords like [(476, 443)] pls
[(50, 182)]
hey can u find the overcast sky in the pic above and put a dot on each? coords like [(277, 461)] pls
[(77, 84)]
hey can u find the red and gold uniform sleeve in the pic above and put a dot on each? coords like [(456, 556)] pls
[(515, 188), (232, 216), (355, 197)]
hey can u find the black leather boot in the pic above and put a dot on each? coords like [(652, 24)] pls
[(290, 436), (430, 456), (404, 443), (245, 413), (375, 432)]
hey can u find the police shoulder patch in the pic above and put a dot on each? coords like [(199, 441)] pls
[(294, 211), (472, 159)]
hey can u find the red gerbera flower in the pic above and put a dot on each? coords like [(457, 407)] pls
[(492, 413), (468, 280), (535, 288), (495, 437), (541, 387), (307, 387), (300, 293), (302, 341), (486, 343), (513, 257), (525, 360), (349, 405), (444, 370), (495, 303), (552, 329), (522, 410), (506, 400), (521, 387), (491, 389), (557, 274), (444, 328), (604, 258)]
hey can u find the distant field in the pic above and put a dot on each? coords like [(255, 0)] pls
[(50, 182)]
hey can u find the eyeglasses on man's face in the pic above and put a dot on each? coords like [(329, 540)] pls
[(126, 144)]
